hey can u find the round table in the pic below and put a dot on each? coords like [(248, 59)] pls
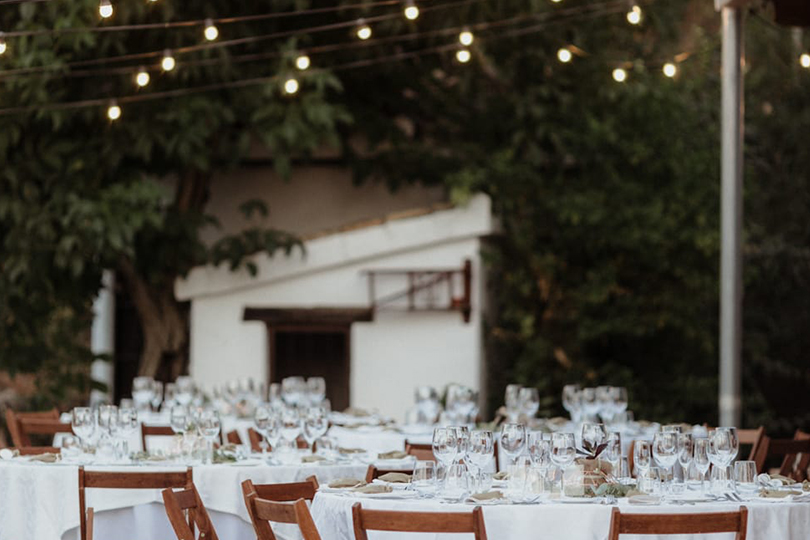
[(556, 520), (41, 501)]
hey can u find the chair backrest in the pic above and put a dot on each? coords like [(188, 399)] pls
[(691, 524), (422, 452), (373, 472), (800, 462), (154, 431), (418, 522), (789, 450), (755, 438), (255, 440), (233, 437), (263, 512), (187, 501), (36, 450), (291, 491), (126, 480), (18, 438)]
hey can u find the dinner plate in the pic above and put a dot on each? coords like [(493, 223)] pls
[(393, 485), (400, 494)]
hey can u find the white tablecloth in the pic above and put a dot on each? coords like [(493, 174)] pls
[(376, 440), (558, 521), (41, 501)]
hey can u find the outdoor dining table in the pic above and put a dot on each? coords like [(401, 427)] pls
[(554, 520), (40, 501)]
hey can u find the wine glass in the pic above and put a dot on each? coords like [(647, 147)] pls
[(107, 417), (178, 419), (529, 399), (604, 400), (316, 388), (290, 425), (733, 444), (513, 440), (184, 390), (512, 401), (686, 451), (264, 419), (563, 452), (316, 424), (157, 395), (613, 451), (209, 426), (292, 390), (83, 423), (539, 450), (169, 396), (642, 457), (702, 460), (142, 388), (445, 445), (126, 426), (571, 400), (593, 435), (480, 451), (619, 400), (590, 404), (665, 450), (463, 441)]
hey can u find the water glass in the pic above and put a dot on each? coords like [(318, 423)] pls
[(424, 479), (456, 482), (745, 477)]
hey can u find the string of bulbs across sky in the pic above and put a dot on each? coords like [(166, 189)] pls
[(363, 31)]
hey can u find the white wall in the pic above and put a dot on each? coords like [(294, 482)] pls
[(390, 355)]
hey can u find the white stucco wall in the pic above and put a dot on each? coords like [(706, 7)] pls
[(390, 355)]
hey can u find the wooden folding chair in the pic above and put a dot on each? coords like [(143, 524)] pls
[(13, 423), (422, 452), (692, 524), (184, 507), (255, 440), (126, 480), (753, 438), (154, 431), (795, 454), (800, 462), (233, 437), (291, 491), (373, 472), (418, 522), (263, 512), (36, 450)]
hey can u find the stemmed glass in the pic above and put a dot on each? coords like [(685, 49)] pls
[(563, 452), (529, 399), (462, 442), (107, 417), (642, 457), (169, 396), (209, 426), (540, 453), (702, 459), (480, 451), (604, 400), (83, 422), (157, 395), (316, 389), (445, 445), (512, 402), (613, 451), (686, 452), (571, 400), (590, 404), (513, 440), (316, 424), (290, 425), (185, 390), (293, 390), (619, 395), (267, 425), (142, 389), (665, 450), (126, 427), (178, 419), (593, 435)]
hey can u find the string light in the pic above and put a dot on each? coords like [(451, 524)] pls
[(2, 44), (105, 9), (619, 75), (411, 11), (142, 78), (291, 86), (634, 15), (113, 111), (211, 32), (466, 37), (363, 30), (302, 62), (564, 55), (463, 55), (670, 69), (168, 62), (556, 1), (804, 60)]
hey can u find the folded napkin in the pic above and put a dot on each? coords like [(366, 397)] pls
[(7, 453), (45, 458), (502, 475), (351, 450), (354, 411), (486, 496), (312, 459), (806, 485), (373, 488), (396, 478), (345, 483), (644, 499), (396, 454), (777, 493)]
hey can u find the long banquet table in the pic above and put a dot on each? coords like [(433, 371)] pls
[(41, 502), (560, 521)]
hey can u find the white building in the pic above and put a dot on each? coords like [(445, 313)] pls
[(343, 309)]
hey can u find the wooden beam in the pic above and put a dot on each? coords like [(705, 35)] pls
[(309, 316)]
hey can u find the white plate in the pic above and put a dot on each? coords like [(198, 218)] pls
[(393, 485), (401, 494)]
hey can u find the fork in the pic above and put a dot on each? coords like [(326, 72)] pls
[(733, 497)]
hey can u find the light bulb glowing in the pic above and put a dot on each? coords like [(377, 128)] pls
[(302, 62), (363, 30), (466, 38), (113, 111), (291, 86), (168, 62), (142, 78), (2, 44), (411, 11), (556, 1), (619, 75), (211, 32), (670, 69), (564, 55), (804, 60), (463, 56), (105, 9), (634, 15)]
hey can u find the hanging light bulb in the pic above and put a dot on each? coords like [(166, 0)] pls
[(105, 9), (168, 62), (634, 15), (804, 60), (466, 37), (411, 11), (211, 32), (302, 62), (2, 44), (463, 55), (291, 86), (619, 75), (670, 69), (113, 111), (564, 55), (363, 30), (556, 1), (142, 77)]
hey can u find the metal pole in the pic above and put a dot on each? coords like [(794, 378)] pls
[(731, 291)]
